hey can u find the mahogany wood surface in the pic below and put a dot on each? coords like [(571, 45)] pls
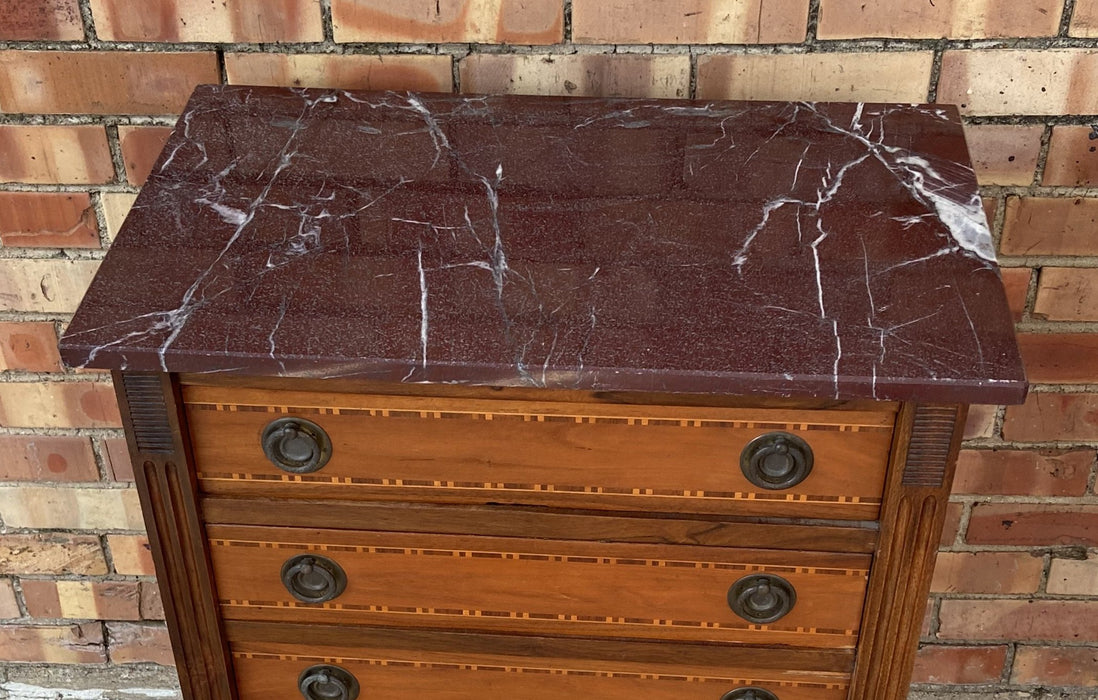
[(539, 586), (532, 522), (671, 459)]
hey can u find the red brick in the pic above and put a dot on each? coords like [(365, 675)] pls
[(139, 643), (1004, 154), (987, 572), (1050, 226), (141, 145), (1008, 82), (229, 21), (952, 19), (937, 663), (1017, 620), (82, 600), (1060, 358), (1067, 294), (131, 555), (952, 525), (55, 285), (43, 507), (689, 22), (54, 154), (40, 20), (109, 82), (1073, 576), (58, 405), (29, 346), (1084, 20), (1028, 525), (117, 456), (9, 606), (1072, 157), (46, 458), (1016, 285), (603, 75), (51, 554), (502, 22), (1047, 416), (72, 644), (1023, 472), (980, 422), (1056, 666), (152, 607), (342, 71), (41, 219)]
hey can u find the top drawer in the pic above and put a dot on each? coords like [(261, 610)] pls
[(731, 461)]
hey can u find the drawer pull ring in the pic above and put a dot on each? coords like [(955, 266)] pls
[(749, 694), (324, 682), (296, 445), (313, 579), (776, 460), (761, 598)]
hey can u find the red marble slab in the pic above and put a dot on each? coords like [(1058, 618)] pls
[(782, 249)]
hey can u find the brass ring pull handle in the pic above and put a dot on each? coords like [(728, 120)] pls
[(750, 693), (776, 461), (325, 682), (762, 598), (313, 579), (296, 445)]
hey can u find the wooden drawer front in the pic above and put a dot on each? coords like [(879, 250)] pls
[(267, 670), (672, 459), (539, 586)]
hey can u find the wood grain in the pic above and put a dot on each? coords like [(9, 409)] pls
[(539, 586), (670, 459)]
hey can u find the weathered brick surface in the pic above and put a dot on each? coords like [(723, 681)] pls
[(952, 524), (58, 405), (689, 22), (1016, 285), (152, 607), (141, 145), (9, 606), (1084, 20), (228, 21), (41, 219), (621, 75), (50, 554), (1050, 226), (1072, 157), (82, 600), (954, 19), (1006, 81), (1033, 525), (117, 457), (869, 77), (980, 422), (139, 643), (343, 71), (959, 664), (131, 555), (1067, 294), (1004, 154), (1011, 620), (987, 572), (37, 20), (46, 458), (69, 644), (44, 285), (480, 21), (1074, 576), (56, 507), (1049, 416), (102, 83), (54, 154), (1066, 666), (1024, 472), (29, 346), (1060, 358), (115, 207)]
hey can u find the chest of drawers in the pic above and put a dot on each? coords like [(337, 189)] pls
[(535, 397)]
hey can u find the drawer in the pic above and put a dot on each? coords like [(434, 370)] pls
[(514, 585), (573, 455), (513, 667)]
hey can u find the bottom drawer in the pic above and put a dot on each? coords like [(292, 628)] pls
[(387, 665)]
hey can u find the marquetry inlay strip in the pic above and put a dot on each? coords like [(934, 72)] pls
[(539, 670)]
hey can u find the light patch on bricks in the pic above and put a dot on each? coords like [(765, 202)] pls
[(24, 691)]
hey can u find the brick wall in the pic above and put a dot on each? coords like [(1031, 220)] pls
[(88, 89)]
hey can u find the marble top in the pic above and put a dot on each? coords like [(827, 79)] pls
[(749, 248)]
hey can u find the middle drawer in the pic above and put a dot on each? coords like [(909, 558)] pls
[(714, 594)]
